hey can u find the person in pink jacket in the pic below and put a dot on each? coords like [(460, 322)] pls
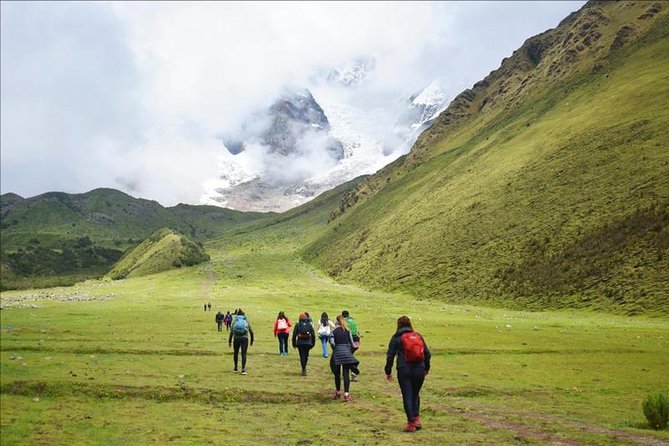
[(282, 331)]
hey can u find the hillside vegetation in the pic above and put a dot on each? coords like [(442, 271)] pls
[(59, 239), (163, 250), (544, 186)]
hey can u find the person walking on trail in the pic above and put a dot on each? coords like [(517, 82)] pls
[(325, 327), (413, 364), (227, 320), (304, 339), (355, 333), (240, 333), (219, 320), (342, 360), (282, 331)]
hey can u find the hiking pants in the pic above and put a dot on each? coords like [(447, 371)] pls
[(283, 342), (411, 380), (220, 326), (304, 355), (244, 344), (337, 370)]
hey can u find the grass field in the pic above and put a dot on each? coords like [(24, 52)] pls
[(138, 361)]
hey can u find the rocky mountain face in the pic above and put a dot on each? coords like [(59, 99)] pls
[(305, 144)]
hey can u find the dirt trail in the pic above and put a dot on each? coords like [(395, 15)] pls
[(209, 281)]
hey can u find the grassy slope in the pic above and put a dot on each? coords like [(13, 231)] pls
[(562, 201), (163, 250), (37, 231)]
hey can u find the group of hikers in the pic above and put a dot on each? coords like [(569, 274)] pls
[(343, 336), (222, 319)]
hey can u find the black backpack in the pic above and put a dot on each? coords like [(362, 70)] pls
[(304, 329)]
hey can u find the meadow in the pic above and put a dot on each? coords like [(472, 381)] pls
[(138, 361)]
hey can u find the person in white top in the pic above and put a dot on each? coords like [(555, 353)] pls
[(325, 327)]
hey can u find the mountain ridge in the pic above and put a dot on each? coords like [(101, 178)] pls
[(515, 205)]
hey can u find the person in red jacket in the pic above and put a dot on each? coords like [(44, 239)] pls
[(413, 364), (282, 331)]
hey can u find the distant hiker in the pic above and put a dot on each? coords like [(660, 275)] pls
[(342, 360), (282, 331), (205, 307), (209, 306), (413, 364), (325, 327), (241, 330), (219, 320), (304, 339), (355, 333), (227, 320)]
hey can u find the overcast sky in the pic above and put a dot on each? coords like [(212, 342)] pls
[(135, 95)]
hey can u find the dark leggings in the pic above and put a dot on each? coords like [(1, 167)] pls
[(283, 342), (304, 355), (337, 369), (244, 344), (411, 380)]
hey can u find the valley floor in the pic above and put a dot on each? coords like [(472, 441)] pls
[(139, 362)]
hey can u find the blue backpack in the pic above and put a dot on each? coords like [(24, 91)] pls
[(240, 326)]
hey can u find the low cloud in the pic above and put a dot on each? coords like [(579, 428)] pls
[(136, 95)]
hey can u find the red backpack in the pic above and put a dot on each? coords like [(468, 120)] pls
[(413, 346)]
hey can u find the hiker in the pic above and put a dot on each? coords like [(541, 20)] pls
[(227, 320), (205, 307), (342, 360), (241, 330), (282, 331), (325, 327), (209, 306), (219, 320), (304, 339), (413, 364), (355, 333)]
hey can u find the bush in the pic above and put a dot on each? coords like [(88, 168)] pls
[(656, 409)]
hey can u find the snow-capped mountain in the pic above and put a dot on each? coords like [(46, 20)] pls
[(421, 109), (311, 141)]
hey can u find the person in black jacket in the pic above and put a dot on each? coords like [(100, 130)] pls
[(412, 367), (219, 321), (304, 339)]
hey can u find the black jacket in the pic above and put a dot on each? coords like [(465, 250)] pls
[(395, 349), (304, 342)]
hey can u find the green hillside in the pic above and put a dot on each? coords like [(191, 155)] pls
[(544, 186), (59, 239), (161, 251)]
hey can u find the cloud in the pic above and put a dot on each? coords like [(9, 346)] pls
[(136, 95)]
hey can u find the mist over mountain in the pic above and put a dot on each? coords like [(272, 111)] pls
[(311, 140)]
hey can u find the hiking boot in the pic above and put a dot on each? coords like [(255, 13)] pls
[(235, 370), (416, 423), (304, 372), (347, 397), (410, 428), (337, 395), (243, 371)]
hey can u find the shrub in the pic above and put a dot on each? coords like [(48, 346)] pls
[(656, 409)]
